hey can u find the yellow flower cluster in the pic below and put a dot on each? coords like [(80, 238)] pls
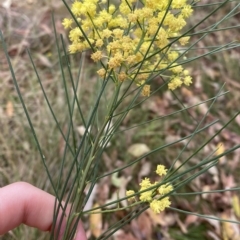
[(132, 38), (152, 196)]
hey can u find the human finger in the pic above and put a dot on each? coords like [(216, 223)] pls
[(23, 203)]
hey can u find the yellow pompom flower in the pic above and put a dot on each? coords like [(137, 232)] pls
[(101, 72), (146, 91), (175, 83), (172, 56), (187, 80), (146, 196), (115, 61), (76, 8), (132, 17), (96, 56), (105, 16), (118, 33), (99, 43), (186, 72), (184, 40), (151, 196), (129, 193), (111, 9), (177, 4), (124, 8), (178, 69), (72, 48), (159, 205), (67, 23), (106, 33), (165, 189), (122, 76), (161, 170), (145, 183), (75, 34), (187, 11)]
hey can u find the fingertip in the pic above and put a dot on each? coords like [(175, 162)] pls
[(24, 203), (81, 235)]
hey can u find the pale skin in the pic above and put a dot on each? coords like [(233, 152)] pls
[(22, 203)]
